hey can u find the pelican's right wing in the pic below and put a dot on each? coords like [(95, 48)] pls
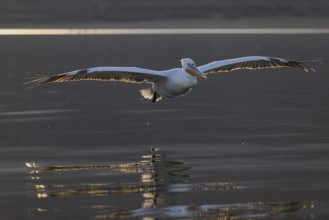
[(121, 74), (256, 62)]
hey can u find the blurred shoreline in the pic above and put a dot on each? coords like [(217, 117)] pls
[(147, 10), (266, 22)]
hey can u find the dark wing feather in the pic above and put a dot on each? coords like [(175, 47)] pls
[(121, 74), (256, 62)]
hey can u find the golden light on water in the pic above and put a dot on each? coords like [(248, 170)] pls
[(158, 179), (158, 31), (42, 195), (40, 186)]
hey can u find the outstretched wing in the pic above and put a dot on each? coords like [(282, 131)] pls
[(121, 74), (256, 62)]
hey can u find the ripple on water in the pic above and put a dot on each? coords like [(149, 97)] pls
[(158, 182)]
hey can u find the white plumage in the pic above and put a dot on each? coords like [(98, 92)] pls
[(173, 82)]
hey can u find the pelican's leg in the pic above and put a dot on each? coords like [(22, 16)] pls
[(154, 98)]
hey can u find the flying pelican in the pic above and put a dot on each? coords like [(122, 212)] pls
[(173, 82)]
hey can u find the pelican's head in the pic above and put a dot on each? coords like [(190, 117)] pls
[(189, 66)]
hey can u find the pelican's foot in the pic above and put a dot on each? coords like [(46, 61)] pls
[(154, 98)]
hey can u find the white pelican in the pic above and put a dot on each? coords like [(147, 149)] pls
[(173, 82)]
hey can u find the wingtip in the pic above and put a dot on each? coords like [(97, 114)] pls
[(317, 62), (35, 80), (310, 66)]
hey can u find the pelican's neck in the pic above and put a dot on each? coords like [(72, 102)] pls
[(188, 77)]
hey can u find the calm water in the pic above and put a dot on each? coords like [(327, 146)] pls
[(242, 145)]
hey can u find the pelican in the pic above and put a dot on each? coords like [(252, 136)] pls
[(173, 82)]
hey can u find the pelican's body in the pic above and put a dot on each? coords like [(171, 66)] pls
[(173, 82), (177, 82)]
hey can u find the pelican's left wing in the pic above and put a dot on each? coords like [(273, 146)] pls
[(255, 62), (121, 74)]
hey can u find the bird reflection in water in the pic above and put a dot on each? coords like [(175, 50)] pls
[(161, 183)]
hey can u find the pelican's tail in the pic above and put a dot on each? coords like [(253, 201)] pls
[(149, 94)]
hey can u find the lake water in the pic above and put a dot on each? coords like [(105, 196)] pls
[(241, 145)]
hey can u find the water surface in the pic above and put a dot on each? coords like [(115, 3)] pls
[(242, 145)]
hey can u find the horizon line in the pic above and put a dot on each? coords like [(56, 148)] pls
[(157, 31)]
